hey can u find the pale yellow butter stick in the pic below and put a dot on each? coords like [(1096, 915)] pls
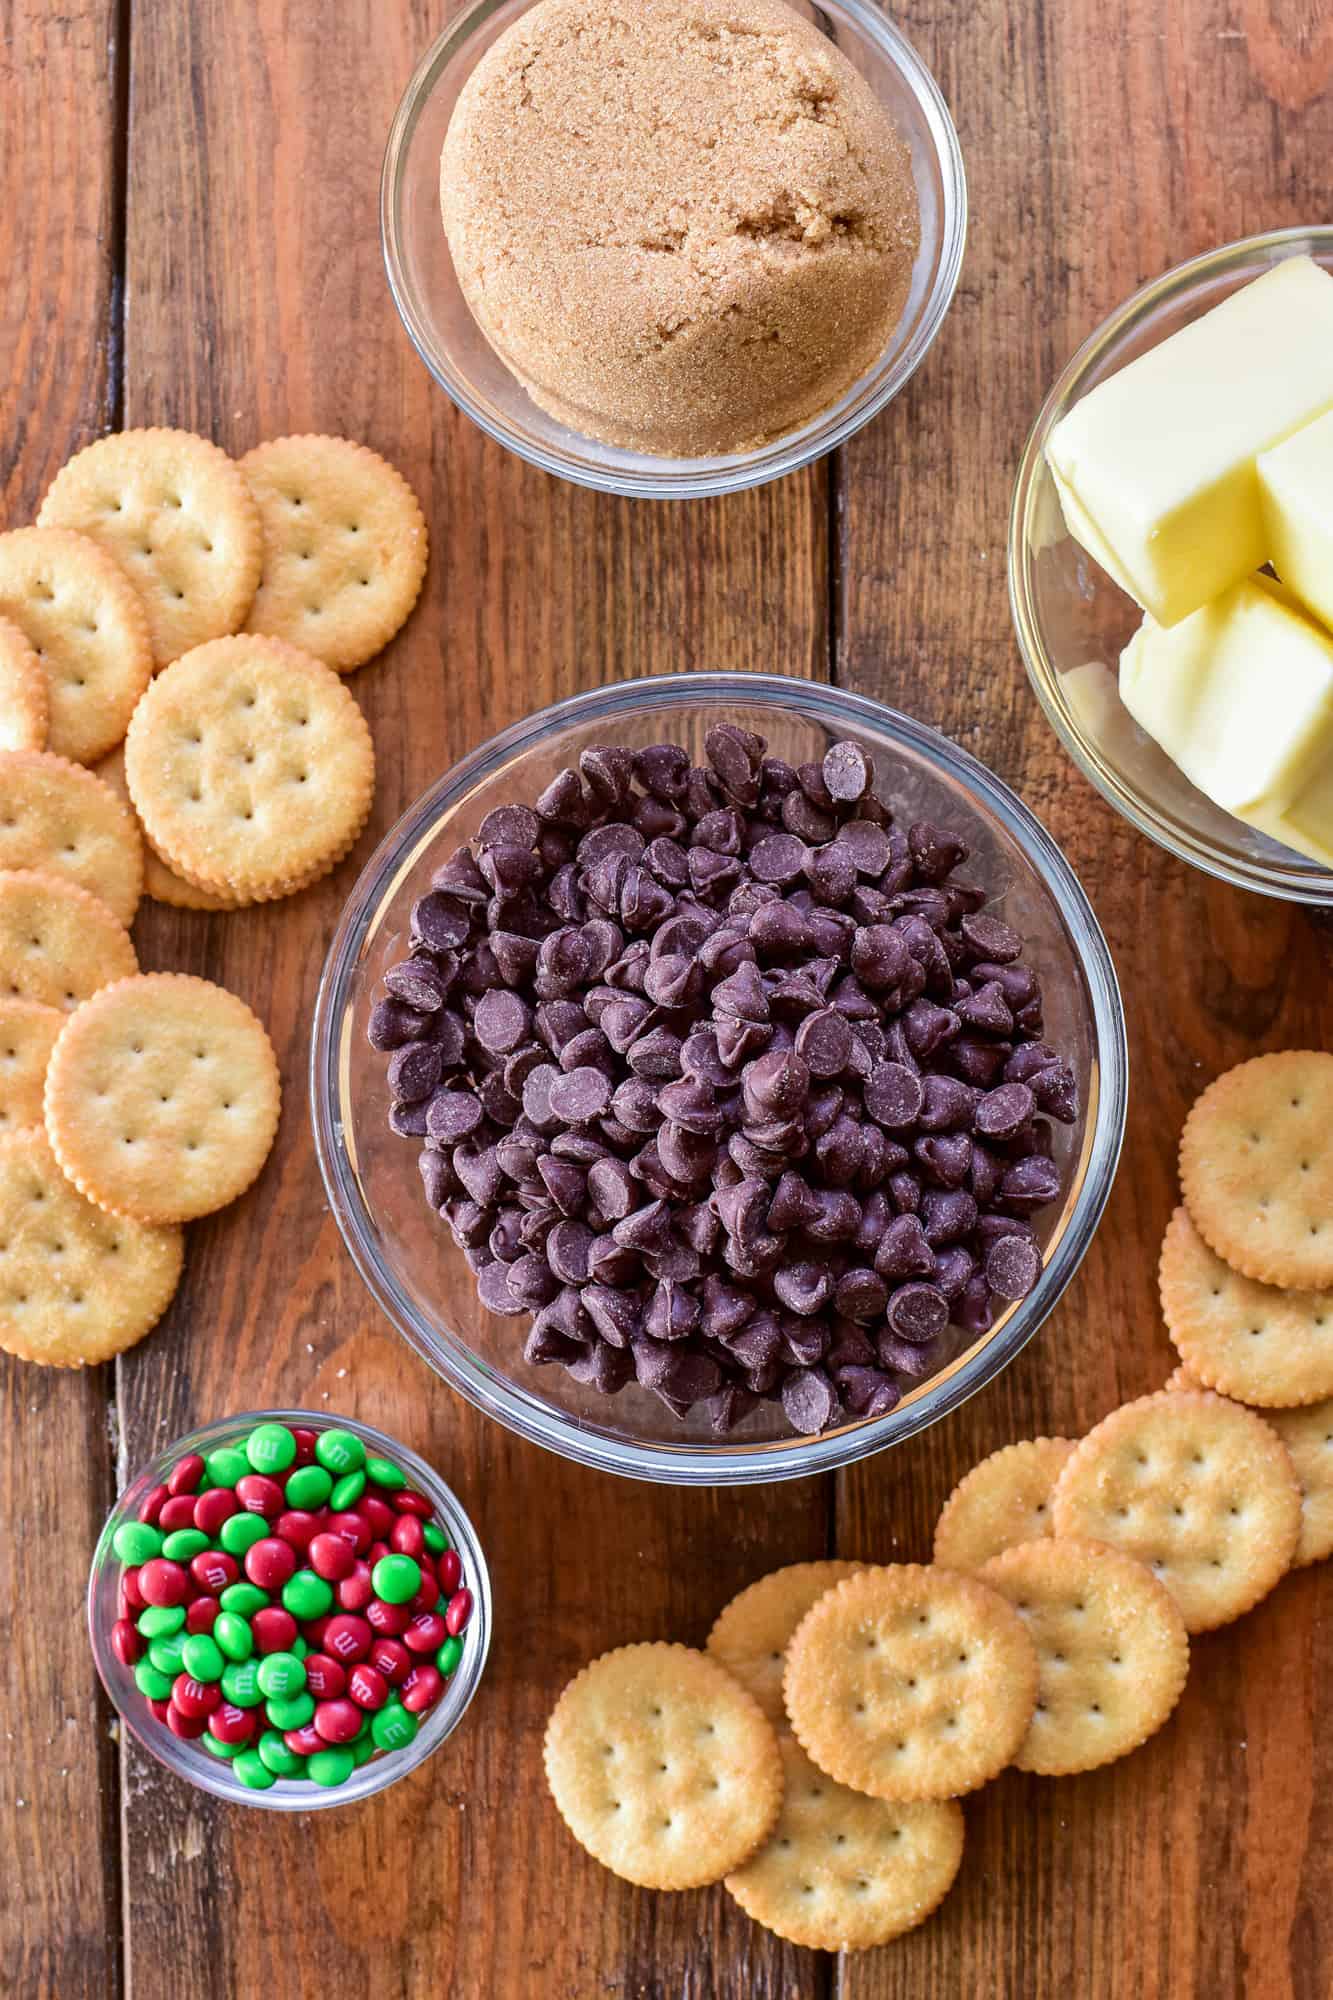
[(1296, 489), (1160, 457)]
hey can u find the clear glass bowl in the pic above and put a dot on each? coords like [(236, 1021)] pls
[(189, 1760), (452, 345), (1073, 621), (405, 1253)]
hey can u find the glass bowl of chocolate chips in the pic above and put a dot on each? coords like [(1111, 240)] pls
[(718, 1078)]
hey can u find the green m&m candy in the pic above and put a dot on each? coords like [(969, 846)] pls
[(347, 1492), (363, 1749), (270, 1448), (251, 1769), (383, 1472), (220, 1749), (151, 1682), (159, 1621), (168, 1654), (394, 1727), (306, 1595), (450, 1653), (240, 1683), (435, 1538), (226, 1465), (233, 1636), (309, 1487), (244, 1599), (339, 1452), (290, 1711), (240, 1532), (202, 1657), (333, 1766), (136, 1542), (281, 1675), (184, 1543), (283, 1763), (396, 1579)]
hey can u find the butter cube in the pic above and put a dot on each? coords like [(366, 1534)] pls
[(1239, 695), (1307, 822), (1160, 458), (1296, 485)]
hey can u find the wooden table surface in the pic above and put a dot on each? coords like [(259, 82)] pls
[(189, 235)]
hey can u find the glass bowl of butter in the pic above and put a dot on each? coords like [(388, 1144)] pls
[(1171, 562)]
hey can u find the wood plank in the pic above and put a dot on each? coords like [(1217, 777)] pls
[(257, 305), (59, 1856), (1103, 144)]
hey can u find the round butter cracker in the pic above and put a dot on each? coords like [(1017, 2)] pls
[(911, 1683), (1004, 1500), (1307, 1432), (1256, 1168), (663, 1767), (1111, 1645), (61, 818), (1195, 1487), (76, 1285), (175, 513), (749, 1637), (28, 1033), (162, 1097), (160, 883), (843, 1872), (251, 767), (58, 943), (25, 707), (1256, 1343), (344, 547), (85, 623)]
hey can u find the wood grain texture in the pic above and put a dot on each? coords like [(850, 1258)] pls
[(1103, 145), (257, 305), (59, 1856)]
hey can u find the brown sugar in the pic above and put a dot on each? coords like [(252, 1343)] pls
[(687, 226)]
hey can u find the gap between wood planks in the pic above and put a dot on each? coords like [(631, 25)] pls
[(114, 1755)]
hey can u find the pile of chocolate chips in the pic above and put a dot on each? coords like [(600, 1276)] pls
[(725, 1081)]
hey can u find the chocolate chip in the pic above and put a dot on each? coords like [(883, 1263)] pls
[(453, 1115), (918, 1312), (846, 772), (502, 1021), (440, 922), (809, 1401), (736, 755), (894, 1095), (903, 1251), (1003, 1113), (1013, 1266), (414, 1072)]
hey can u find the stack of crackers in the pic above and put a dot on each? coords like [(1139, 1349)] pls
[(173, 633), (813, 1757)]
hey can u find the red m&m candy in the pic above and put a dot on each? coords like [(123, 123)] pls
[(270, 1563), (337, 1721), (274, 1629), (163, 1582), (367, 1688), (347, 1637), (324, 1676), (186, 1473)]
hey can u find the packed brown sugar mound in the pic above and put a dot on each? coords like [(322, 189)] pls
[(687, 226)]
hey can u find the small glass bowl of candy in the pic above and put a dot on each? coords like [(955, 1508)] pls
[(289, 1610)]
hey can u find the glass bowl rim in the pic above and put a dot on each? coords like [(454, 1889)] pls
[(699, 1465), (698, 478), (1309, 885), (373, 1777)]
